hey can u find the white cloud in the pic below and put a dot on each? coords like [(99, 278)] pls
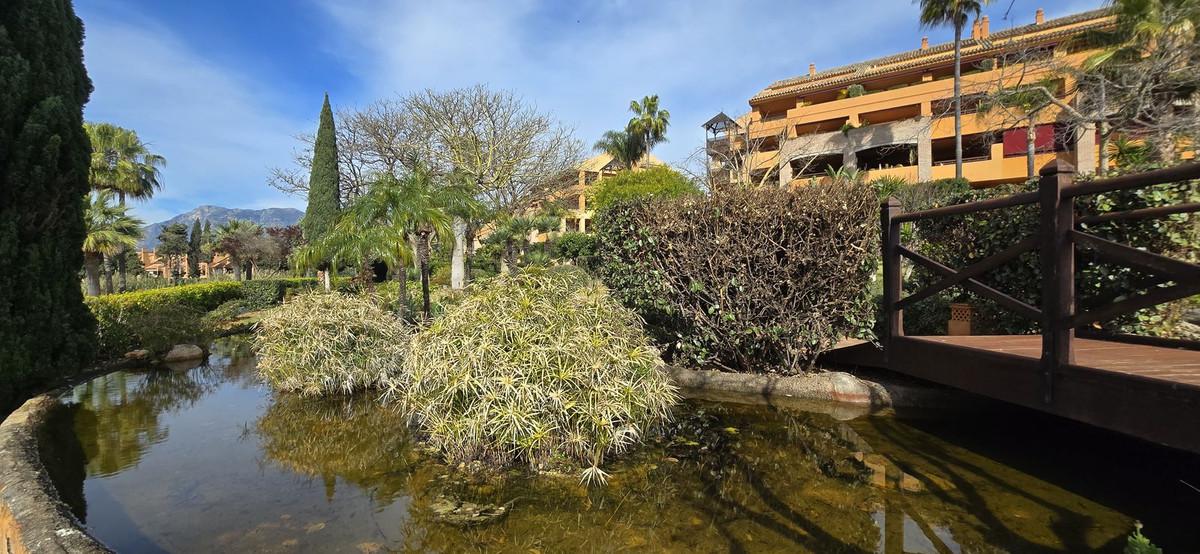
[(585, 62), (216, 127)]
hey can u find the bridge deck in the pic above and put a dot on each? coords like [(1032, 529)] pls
[(1146, 391), (1168, 364)]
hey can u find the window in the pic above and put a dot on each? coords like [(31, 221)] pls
[(883, 157), (813, 166)]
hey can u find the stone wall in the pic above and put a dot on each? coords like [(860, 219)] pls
[(33, 519)]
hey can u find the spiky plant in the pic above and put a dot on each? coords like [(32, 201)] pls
[(530, 366), (328, 343)]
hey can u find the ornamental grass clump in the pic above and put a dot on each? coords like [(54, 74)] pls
[(320, 343), (540, 367)]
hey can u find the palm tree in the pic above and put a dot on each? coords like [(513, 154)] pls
[(110, 229), (395, 221), (649, 122), (956, 13), (123, 164), (625, 147), (236, 239)]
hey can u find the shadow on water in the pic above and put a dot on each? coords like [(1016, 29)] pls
[(206, 459), (1142, 481)]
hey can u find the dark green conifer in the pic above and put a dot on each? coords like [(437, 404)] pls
[(323, 191), (194, 253), (45, 329)]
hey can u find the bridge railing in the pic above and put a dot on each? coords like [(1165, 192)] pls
[(1058, 236)]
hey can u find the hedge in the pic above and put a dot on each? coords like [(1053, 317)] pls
[(157, 319), (758, 279), (264, 293)]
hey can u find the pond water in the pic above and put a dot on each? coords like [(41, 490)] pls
[(207, 459)]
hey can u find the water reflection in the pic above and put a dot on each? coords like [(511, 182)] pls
[(279, 472), (352, 439)]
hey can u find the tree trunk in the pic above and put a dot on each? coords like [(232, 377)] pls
[(121, 253), (470, 262), (237, 268), (958, 163), (400, 274), (1102, 129), (1031, 148), (458, 258), (250, 271), (108, 279), (91, 265), (423, 255), (414, 243)]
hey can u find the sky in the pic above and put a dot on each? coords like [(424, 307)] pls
[(221, 88)]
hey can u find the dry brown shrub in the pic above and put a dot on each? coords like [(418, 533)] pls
[(754, 279)]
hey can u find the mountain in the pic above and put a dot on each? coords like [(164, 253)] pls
[(267, 217)]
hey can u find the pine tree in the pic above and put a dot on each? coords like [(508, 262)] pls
[(323, 193), (195, 242), (45, 329)]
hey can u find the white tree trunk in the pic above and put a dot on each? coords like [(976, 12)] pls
[(326, 280), (458, 258)]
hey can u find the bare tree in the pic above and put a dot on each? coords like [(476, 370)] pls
[(513, 154)]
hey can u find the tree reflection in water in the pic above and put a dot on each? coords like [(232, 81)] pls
[(352, 438), (118, 415)]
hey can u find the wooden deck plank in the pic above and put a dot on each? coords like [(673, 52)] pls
[(1147, 391), (1169, 364)]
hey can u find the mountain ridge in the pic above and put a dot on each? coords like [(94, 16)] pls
[(216, 215)]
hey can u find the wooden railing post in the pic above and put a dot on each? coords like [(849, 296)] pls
[(1058, 271), (892, 286)]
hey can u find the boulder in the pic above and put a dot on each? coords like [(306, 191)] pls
[(465, 514), (184, 352), (140, 354)]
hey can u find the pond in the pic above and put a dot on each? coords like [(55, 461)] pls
[(207, 459)]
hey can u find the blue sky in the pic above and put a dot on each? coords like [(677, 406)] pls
[(222, 87)]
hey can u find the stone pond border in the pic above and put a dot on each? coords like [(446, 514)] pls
[(33, 519)]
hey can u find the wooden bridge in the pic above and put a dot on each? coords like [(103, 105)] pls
[(1141, 386)]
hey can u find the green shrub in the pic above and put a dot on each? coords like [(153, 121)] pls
[(652, 182), (534, 367), (574, 246), (228, 311), (264, 293), (122, 327), (753, 279), (328, 343), (158, 318)]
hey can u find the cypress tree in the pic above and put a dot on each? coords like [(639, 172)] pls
[(323, 191), (45, 329), (195, 240)]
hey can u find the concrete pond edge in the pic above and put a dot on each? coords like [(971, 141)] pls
[(837, 393), (33, 519)]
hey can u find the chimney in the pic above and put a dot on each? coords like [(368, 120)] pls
[(975, 29), (1039, 17), (983, 28), (812, 69), (924, 43)]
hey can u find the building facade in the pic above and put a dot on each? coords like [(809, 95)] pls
[(158, 267), (893, 116), (578, 214)]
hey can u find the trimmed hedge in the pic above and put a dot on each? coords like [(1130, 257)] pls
[(159, 318), (753, 280)]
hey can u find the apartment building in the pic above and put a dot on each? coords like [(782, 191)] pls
[(894, 115)]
